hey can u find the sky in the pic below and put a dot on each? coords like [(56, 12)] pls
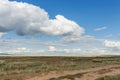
[(60, 28)]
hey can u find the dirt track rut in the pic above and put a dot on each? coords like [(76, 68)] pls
[(88, 74)]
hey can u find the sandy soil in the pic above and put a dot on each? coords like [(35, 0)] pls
[(88, 74)]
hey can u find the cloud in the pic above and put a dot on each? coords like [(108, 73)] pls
[(112, 44), (19, 50), (2, 34), (85, 38), (35, 46), (65, 50), (28, 19), (96, 51), (87, 46), (100, 28), (40, 51), (112, 47), (69, 50), (52, 49)]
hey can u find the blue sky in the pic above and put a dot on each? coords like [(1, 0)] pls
[(96, 21), (88, 13)]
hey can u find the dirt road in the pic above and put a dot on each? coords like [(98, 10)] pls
[(88, 74)]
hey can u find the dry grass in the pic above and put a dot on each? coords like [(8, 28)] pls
[(116, 77), (70, 77), (25, 65), (103, 71)]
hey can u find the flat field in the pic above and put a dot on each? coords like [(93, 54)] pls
[(58, 68)]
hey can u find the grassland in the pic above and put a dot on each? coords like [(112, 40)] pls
[(116, 77), (25, 65)]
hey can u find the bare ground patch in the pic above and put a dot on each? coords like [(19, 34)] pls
[(88, 74)]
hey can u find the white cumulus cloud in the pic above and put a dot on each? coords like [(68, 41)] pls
[(112, 44), (28, 19)]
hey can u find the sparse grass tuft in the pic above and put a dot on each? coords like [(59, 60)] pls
[(116, 77), (103, 71)]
